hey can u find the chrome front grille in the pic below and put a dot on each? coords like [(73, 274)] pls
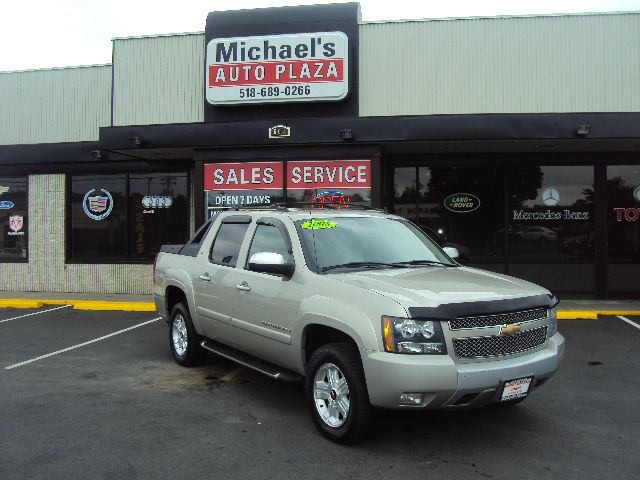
[(492, 320), (496, 346)]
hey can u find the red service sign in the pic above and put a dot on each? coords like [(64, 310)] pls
[(277, 68), (243, 176), (310, 174)]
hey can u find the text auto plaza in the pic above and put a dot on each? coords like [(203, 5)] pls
[(503, 137)]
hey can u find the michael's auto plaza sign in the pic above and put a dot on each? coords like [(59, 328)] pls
[(277, 68)]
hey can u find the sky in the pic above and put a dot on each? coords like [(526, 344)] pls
[(60, 33)]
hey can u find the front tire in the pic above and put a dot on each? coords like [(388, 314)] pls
[(337, 394), (183, 339)]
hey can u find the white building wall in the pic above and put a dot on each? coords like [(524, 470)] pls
[(543, 64), (56, 105), (158, 80)]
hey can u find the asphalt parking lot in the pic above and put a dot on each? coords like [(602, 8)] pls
[(119, 407)]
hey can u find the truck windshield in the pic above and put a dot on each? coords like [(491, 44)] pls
[(338, 244)]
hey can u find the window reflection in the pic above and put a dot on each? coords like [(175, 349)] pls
[(551, 213), (623, 218), (459, 206), (14, 224)]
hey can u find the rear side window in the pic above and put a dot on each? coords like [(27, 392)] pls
[(227, 244), (192, 247)]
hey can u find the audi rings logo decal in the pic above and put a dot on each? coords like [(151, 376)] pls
[(97, 207), (550, 197), (155, 201)]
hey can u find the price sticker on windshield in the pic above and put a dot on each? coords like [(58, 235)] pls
[(318, 224)]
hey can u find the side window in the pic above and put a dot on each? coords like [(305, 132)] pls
[(269, 239), (193, 246), (227, 244)]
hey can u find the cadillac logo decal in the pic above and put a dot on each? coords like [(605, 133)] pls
[(510, 330), (97, 207)]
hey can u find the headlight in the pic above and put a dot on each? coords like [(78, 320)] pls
[(553, 323), (405, 335)]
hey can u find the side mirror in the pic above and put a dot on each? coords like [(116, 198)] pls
[(270, 262), (452, 252)]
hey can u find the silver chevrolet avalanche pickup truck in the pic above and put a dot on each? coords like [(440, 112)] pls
[(362, 306)]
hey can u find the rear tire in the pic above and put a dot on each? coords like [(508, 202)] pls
[(337, 394), (183, 339)]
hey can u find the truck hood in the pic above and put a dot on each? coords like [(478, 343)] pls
[(431, 286)]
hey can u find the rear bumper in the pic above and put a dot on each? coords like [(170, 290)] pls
[(445, 384)]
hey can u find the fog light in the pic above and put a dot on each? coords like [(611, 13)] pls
[(410, 399)]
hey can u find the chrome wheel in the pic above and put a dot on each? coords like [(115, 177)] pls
[(331, 395), (179, 335)]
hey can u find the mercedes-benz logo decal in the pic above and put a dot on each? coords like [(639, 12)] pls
[(636, 193), (550, 197)]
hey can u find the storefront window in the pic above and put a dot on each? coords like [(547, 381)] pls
[(459, 206), (405, 197), (236, 185), (623, 202), (14, 224), (551, 213), (335, 182), (623, 228), (127, 216)]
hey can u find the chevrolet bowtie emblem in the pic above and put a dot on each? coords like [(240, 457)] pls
[(510, 330)]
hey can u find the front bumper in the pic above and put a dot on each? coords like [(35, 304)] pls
[(445, 384)]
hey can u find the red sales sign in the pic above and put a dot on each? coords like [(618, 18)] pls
[(243, 176), (301, 174), (277, 68)]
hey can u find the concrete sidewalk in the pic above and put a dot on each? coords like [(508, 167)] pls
[(568, 309)]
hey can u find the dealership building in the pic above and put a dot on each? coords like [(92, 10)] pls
[(514, 139)]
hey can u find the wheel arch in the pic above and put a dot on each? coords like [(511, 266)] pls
[(317, 334)]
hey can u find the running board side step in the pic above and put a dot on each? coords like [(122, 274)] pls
[(268, 369)]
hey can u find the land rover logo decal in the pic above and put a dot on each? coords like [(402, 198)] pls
[(97, 207), (461, 202)]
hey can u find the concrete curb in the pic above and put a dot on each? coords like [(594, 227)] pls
[(591, 314), (80, 304)]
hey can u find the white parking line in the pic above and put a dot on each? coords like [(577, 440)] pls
[(35, 313), (41, 357), (633, 324)]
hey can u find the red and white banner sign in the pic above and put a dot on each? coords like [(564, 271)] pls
[(328, 174), (277, 68), (243, 176), (300, 174)]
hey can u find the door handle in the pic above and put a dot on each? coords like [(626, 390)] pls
[(243, 286), (205, 277)]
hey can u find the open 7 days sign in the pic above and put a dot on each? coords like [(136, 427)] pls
[(277, 68)]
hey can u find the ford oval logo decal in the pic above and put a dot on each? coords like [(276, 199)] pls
[(461, 202)]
